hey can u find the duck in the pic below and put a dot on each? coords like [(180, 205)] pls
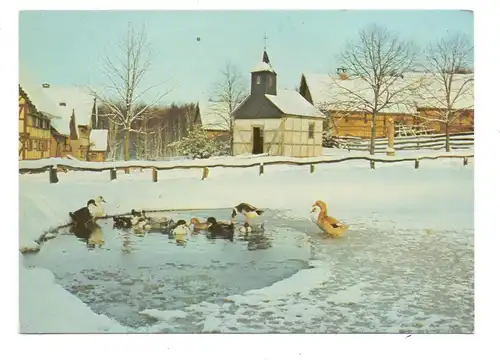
[(247, 210), (96, 208), (181, 228), (220, 228), (245, 229), (122, 222), (328, 224), (180, 232), (139, 221), (84, 214), (164, 225), (198, 225)]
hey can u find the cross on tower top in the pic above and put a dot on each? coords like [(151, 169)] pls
[(265, 41)]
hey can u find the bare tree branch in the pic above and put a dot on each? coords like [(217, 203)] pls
[(228, 93), (125, 69), (375, 64), (449, 87)]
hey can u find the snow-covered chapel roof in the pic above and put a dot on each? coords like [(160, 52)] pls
[(292, 103)]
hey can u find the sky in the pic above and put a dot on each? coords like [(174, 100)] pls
[(68, 47)]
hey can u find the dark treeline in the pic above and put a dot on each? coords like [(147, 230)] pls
[(152, 133)]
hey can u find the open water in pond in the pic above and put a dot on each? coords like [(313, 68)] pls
[(121, 273)]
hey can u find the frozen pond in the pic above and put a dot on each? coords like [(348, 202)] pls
[(383, 276)]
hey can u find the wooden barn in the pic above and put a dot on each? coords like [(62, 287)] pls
[(276, 122), (72, 130), (337, 95), (36, 112), (98, 145)]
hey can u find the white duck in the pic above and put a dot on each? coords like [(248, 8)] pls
[(95, 208)]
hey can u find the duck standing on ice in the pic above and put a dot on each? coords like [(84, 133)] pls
[(328, 224), (249, 212)]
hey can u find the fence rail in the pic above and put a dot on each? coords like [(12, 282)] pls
[(463, 140), (53, 168)]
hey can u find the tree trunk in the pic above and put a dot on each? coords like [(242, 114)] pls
[(373, 134), (447, 143), (231, 138), (127, 145)]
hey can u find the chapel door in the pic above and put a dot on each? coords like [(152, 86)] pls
[(258, 141)]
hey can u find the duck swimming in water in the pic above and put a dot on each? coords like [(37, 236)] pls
[(84, 214), (181, 228), (328, 224), (198, 225), (220, 228), (140, 221), (96, 209), (122, 222), (245, 229), (247, 210)]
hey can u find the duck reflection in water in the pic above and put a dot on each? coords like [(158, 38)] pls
[(126, 243), (90, 233), (258, 241)]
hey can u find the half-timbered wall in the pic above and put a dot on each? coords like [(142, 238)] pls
[(35, 128)]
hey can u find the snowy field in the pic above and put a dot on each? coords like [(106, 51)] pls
[(410, 246)]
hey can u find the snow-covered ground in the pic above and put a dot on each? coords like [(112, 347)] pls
[(439, 196)]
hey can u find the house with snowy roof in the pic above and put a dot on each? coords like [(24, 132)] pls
[(71, 130), (98, 145), (276, 122), (214, 118), (343, 99), (36, 113)]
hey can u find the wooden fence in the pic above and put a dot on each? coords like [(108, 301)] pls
[(431, 142), (53, 169)]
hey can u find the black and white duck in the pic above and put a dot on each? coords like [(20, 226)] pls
[(247, 210)]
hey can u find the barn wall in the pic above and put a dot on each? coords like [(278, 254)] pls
[(464, 122), (359, 124)]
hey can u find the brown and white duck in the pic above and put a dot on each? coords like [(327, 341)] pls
[(330, 225)]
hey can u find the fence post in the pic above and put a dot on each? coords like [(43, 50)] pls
[(53, 175), (372, 164), (261, 169), (466, 160), (112, 174), (390, 138), (155, 175), (205, 173), (311, 168), (417, 163)]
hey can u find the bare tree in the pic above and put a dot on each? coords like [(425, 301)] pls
[(375, 64), (125, 94), (228, 92), (448, 89)]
